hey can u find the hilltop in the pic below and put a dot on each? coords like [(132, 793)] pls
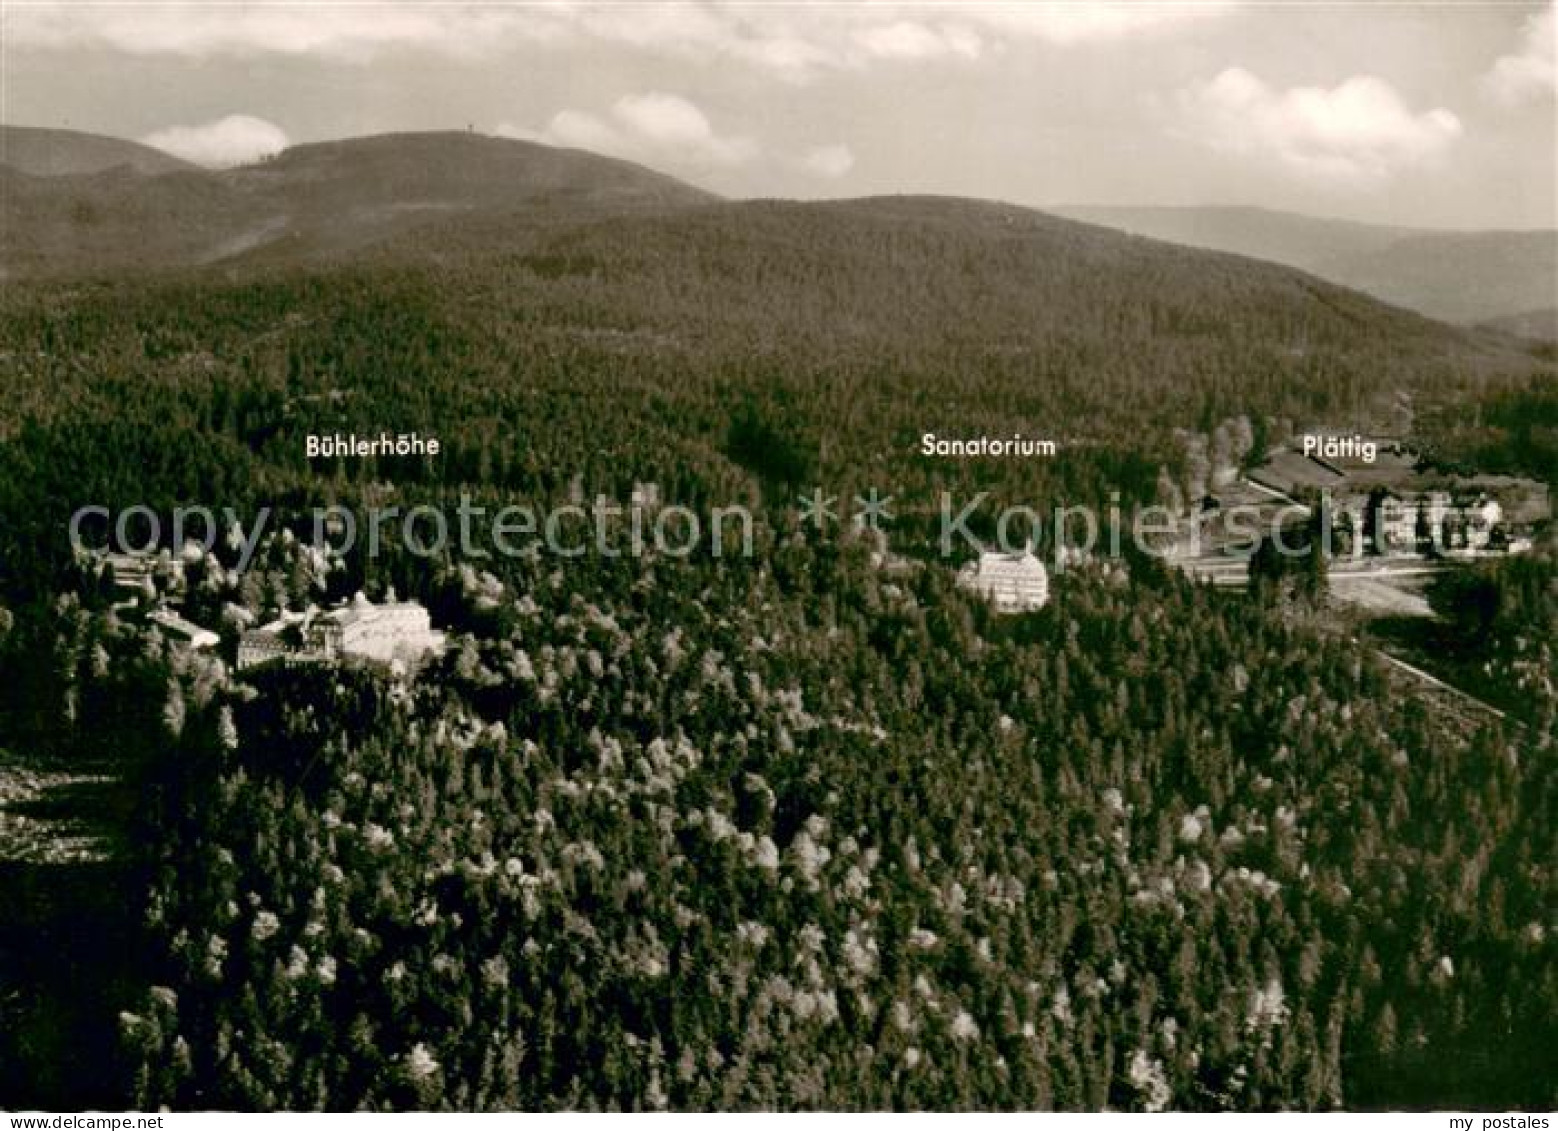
[(55, 153), (310, 202)]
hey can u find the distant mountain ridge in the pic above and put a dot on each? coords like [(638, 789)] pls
[(1539, 325), (1292, 238), (1465, 277), (76, 204), (43, 152), (310, 202)]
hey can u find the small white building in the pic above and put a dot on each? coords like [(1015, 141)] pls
[(184, 631), (132, 572), (1013, 583)]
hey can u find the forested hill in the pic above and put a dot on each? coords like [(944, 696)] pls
[(868, 304), (309, 203), (800, 829), (832, 336), (885, 317), (853, 327)]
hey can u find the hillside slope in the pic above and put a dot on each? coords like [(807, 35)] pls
[(54, 153), (840, 333), (1282, 237), (1459, 276), (1539, 325), (1455, 276)]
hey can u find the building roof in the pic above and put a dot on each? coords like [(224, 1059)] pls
[(1289, 470), (359, 608), (197, 636), (130, 571)]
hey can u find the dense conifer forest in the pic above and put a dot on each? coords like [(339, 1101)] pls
[(811, 828)]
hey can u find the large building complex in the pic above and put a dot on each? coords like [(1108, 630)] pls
[(389, 633)]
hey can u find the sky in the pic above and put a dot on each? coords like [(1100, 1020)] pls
[(1432, 114)]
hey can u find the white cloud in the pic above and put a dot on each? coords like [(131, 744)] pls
[(1527, 75), (234, 140), (345, 33), (580, 130), (796, 43), (829, 161), (652, 126), (1076, 23), (905, 39), (665, 119), (1357, 132)]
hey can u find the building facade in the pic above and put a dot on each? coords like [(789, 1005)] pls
[(1013, 583), (396, 632)]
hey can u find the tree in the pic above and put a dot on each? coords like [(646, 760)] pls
[(1470, 600)]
